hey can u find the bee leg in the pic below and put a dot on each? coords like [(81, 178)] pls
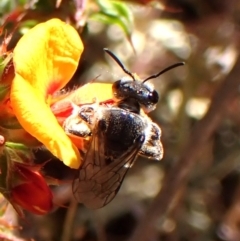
[(75, 126), (152, 147), (88, 113), (80, 129)]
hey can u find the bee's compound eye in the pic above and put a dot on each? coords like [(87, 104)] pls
[(153, 97), (116, 87)]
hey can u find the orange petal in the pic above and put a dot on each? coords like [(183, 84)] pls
[(45, 59), (99, 91), (85, 94), (62, 105)]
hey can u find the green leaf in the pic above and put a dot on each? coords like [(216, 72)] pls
[(17, 146), (4, 177), (6, 6), (19, 152), (114, 12), (5, 82), (47, 6)]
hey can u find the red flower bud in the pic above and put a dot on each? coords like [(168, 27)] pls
[(30, 190)]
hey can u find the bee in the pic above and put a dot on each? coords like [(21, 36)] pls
[(117, 134)]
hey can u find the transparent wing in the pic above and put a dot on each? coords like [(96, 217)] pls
[(100, 179)]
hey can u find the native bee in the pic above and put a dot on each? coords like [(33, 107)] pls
[(117, 134)]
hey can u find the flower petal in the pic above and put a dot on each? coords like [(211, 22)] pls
[(100, 91), (45, 59), (30, 190), (85, 94)]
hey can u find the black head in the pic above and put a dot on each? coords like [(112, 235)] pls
[(145, 94), (142, 91)]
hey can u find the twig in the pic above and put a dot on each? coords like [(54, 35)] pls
[(176, 180), (101, 234), (69, 220)]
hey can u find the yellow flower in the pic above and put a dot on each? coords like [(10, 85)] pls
[(45, 59)]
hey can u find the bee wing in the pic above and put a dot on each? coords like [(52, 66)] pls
[(99, 180)]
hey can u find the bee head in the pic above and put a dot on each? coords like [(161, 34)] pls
[(141, 91)]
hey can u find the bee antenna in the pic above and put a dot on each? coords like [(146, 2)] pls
[(163, 71), (119, 62)]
